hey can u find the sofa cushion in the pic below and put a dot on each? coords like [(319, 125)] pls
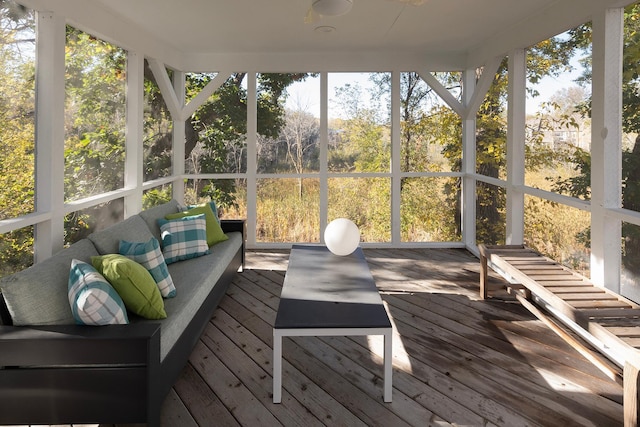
[(38, 294), (195, 279), (152, 215), (92, 299), (183, 238), (134, 229), (214, 230), (133, 283), (149, 255)]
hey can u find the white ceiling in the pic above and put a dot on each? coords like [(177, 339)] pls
[(272, 34)]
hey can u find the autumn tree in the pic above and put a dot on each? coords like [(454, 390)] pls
[(17, 132)]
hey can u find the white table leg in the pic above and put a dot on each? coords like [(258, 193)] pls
[(388, 363), (277, 367)]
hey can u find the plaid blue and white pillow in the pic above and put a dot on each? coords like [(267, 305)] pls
[(149, 255), (93, 300), (183, 238)]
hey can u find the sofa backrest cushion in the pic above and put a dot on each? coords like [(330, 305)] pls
[(38, 295), (152, 215), (133, 229)]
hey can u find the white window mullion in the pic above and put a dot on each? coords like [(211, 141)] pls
[(50, 84), (324, 153), (252, 167), (396, 178)]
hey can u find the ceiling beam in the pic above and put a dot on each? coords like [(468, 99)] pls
[(443, 92), (482, 87)]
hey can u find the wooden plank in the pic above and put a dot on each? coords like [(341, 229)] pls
[(631, 392), (603, 313), (595, 295), (574, 282), (315, 400), (599, 304), (368, 408), (584, 289), (175, 413), (551, 298), (428, 396), (625, 331), (244, 406), (204, 405), (444, 352), (256, 379), (403, 406)]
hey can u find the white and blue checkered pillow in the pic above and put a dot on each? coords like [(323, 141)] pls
[(93, 300), (183, 238), (149, 255)]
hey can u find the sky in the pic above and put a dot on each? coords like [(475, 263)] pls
[(307, 94)]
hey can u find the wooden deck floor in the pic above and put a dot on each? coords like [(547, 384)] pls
[(457, 360)]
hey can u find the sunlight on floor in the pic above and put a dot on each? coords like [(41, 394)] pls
[(401, 358), (559, 383)]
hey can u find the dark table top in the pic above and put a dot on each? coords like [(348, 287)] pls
[(323, 290)]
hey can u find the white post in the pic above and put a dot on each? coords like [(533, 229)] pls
[(396, 178), (516, 118), (134, 158), (468, 202), (606, 147), (179, 139), (50, 94), (252, 154)]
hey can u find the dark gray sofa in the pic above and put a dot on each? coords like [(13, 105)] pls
[(62, 373)]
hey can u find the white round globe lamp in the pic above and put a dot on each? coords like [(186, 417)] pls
[(342, 236)]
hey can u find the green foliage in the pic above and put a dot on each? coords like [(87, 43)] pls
[(95, 116), (158, 130), (579, 185), (366, 202), (156, 196), (426, 210), (17, 132), (284, 216)]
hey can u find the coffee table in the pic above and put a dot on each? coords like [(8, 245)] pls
[(328, 295)]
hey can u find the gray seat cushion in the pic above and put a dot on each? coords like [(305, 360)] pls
[(38, 294), (194, 280)]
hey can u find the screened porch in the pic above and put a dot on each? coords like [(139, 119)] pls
[(434, 125)]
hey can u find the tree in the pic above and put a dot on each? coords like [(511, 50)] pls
[(17, 108), (220, 124), (580, 185), (300, 134)]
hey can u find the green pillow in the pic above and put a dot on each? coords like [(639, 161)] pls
[(214, 231), (134, 284)]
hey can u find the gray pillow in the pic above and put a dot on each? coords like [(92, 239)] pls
[(38, 294), (152, 215), (132, 229)]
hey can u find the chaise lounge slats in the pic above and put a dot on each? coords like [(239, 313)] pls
[(611, 319)]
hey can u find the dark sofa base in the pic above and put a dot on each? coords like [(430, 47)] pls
[(85, 375)]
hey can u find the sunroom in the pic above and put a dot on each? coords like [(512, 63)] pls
[(434, 125)]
